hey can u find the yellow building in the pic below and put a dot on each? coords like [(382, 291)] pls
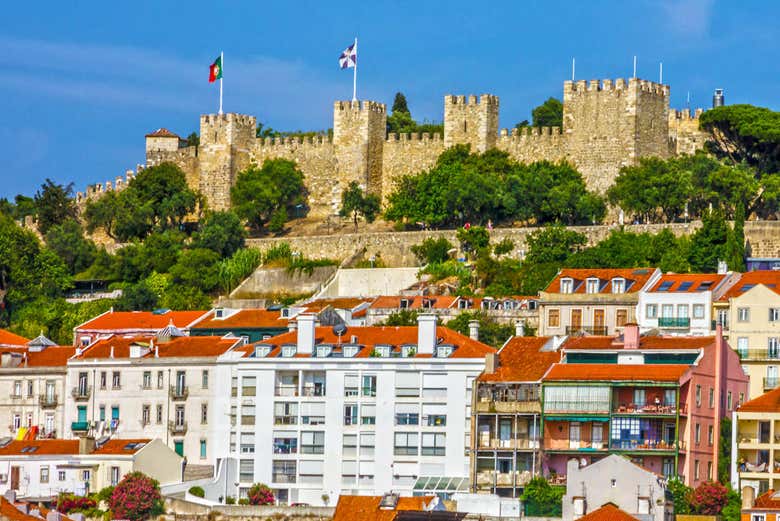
[(751, 309), (756, 444)]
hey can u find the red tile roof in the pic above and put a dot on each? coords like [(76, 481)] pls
[(767, 500), (616, 372), (336, 303), (645, 342), (415, 302), (767, 402), (162, 132), (769, 278), (608, 512), (245, 318), (521, 361), (11, 339), (8, 511), (696, 280), (69, 447), (50, 357), (636, 278), (140, 320), (366, 508), (371, 336), (184, 346)]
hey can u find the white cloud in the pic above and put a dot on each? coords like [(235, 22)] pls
[(688, 18)]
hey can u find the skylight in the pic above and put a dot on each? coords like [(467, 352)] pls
[(665, 285), (747, 287), (704, 286), (685, 286)]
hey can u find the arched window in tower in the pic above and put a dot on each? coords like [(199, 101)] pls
[(464, 125)]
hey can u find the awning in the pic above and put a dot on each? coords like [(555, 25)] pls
[(441, 484), (576, 418)]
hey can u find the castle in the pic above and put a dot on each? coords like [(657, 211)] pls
[(606, 125)]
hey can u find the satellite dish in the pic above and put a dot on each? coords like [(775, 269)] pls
[(339, 329)]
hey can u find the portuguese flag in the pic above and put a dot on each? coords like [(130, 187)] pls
[(215, 70)]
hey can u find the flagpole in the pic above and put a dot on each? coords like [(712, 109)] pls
[(222, 68), (354, 75)]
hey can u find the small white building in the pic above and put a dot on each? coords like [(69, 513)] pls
[(41, 469)]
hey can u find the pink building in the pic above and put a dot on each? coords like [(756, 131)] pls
[(656, 399)]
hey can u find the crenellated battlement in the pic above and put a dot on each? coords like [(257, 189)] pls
[(294, 141), (393, 137), (619, 84), (119, 183), (530, 132), (684, 114), (361, 106), (471, 99), (230, 117)]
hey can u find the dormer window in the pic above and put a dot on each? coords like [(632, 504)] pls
[(592, 285), (219, 313), (408, 350), (285, 312), (382, 351), (288, 351), (261, 351), (485, 304), (427, 303), (618, 285), (567, 285), (444, 351), (323, 351), (404, 303), (464, 303), (350, 351)]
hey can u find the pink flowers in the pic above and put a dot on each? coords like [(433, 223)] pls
[(261, 495), (67, 503), (136, 497)]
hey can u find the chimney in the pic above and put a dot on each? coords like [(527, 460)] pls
[(156, 351), (306, 328), (491, 363), (86, 445), (474, 329), (631, 336), (111, 355), (748, 497), (723, 267), (426, 333), (292, 325), (520, 328), (10, 495), (53, 515)]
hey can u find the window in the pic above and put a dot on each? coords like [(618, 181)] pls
[(350, 414), (696, 469), (433, 444), (651, 310), (349, 445), (774, 314), (17, 421), (86, 475), (592, 285), (621, 317), (202, 449), (283, 471), (285, 413), (350, 351), (204, 413), (743, 314), (682, 310), (698, 396), (758, 517), (382, 351), (728, 401), (116, 380), (710, 435), (369, 385), (407, 414), (434, 385), (618, 285), (44, 474), (709, 470), (61, 475), (288, 351), (351, 385), (247, 414), (147, 380), (667, 310), (103, 380), (18, 388), (160, 379), (698, 311), (368, 414), (179, 416), (567, 285), (204, 379), (234, 387), (406, 443), (248, 441), (102, 413), (773, 347), (246, 470), (367, 444), (407, 384), (248, 386), (313, 413), (311, 472), (114, 413), (697, 433), (712, 398), (553, 318), (30, 388), (313, 442), (741, 399), (665, 285), (159, 414), (434, 414), (145, 414), (742, 346)]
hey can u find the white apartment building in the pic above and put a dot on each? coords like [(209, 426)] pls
[(321, 412), (168, 387), (682, 303), (39, 470)]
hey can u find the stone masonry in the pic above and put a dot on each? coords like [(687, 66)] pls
[(606, 125)]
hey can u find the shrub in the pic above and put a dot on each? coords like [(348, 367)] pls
[(230, 500), (197, 491), (136, 497), (709, 498), (67, 503), (261, 494)]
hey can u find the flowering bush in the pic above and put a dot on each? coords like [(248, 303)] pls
[(136, 497), (67, 503), (709, 498), (261, 495)]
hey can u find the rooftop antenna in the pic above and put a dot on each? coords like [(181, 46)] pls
[(661, 73), (689, 101), (572, 69), (634, 66)]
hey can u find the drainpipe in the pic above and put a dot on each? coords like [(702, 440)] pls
[(719, 380), (168, 411)]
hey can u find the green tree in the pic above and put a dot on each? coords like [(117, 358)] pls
[(473, 240), (271, 192), (542, 499), (197, 268), (708, 243), (137, 297), (221, 232), (193, 140), (432, 250), (744, 134), (724, 448), (681, 496), (23, 206), (548, 249), (653, 186), (356, 203), (184, 298), (548, 114), (399, 103), (735, 243), (405, 317), (490, 331), (54, 204), (68, 241)]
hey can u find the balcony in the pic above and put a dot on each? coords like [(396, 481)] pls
[(16, 395), (283, 478), (634, 444), (179, 392), (492, 478), (286, 390), (591, 330), (81, 393), (286, 420), (177, 428), (771, 382), (757, 355), (79, 426), (524, 406), (652, 409), (674, 323), (495, 443), (48, 401)]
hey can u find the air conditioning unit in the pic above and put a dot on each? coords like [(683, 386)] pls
[(3, 478)]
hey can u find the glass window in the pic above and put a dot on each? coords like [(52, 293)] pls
[(553, 318), (61, 475), (592, 286), (159, 414), (147, 381), (697, 434), (621, 317), (160, 379), (728, 401), (246, 470), (369, 385), (351, 385), (712, 398), (743, 314), (368, 414), (44, 474), (248, 386), (406, 443), (651, 310), (349, 445), (682, 310), (313, 442), (774, 314), (433, 444), (698, 311), (102, 379), (116, 380), (710, 435), (202, 449), (567, 285), (367, 444), (698, 395), (350, 414), (618, 285), (204, 379), (204, 413)]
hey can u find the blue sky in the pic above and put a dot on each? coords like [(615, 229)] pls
[(85, 80)]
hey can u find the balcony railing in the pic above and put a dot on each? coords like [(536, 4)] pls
[(81, 393), (177, 427), (628, 444), (529, 406), (759, 354), (179, 392), (591, 330), (647, 408), (494, 443), (79, 426), (285, 420), (314, 391), (677, 323), (16, 395), (771, 382), (283, 478), (47, 401), (286, 390)]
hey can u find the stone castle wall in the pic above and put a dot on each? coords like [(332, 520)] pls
[(407, 154), (533, 144), (684, 134)]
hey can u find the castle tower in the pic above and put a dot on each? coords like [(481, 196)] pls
[(159, 144), (472, 121), (608, 125), (359, 129), (225, 143)]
